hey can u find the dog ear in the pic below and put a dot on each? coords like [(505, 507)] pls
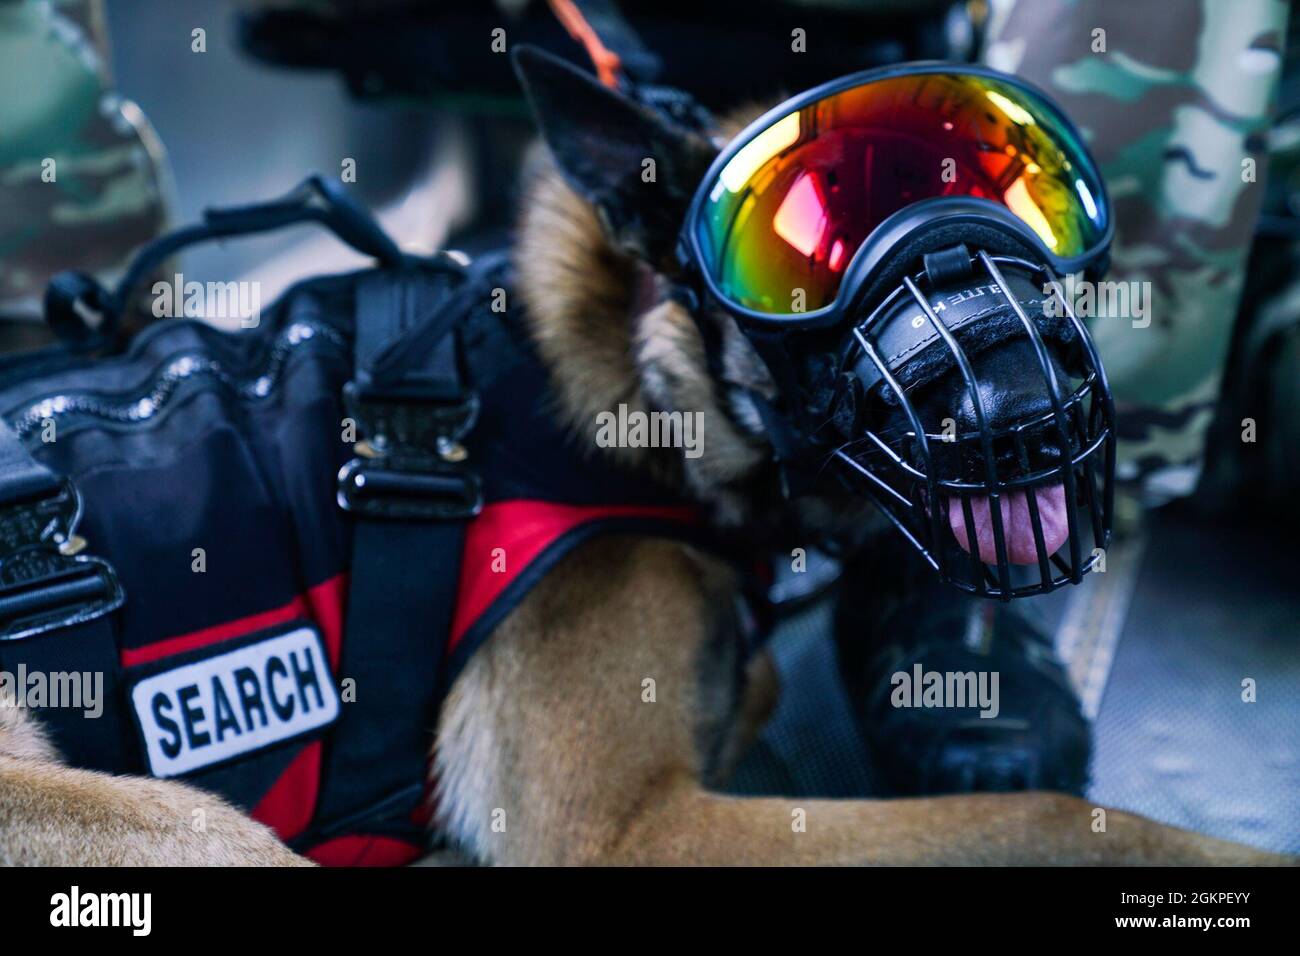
[(637, 168)]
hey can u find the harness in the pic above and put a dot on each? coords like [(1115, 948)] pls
[(278, 549)]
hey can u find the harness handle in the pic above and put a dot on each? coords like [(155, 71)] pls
[(86, 316)]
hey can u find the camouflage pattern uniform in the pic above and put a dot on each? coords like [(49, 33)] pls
[(1173, 97), (110, 191)]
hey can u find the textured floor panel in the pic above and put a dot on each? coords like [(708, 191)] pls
[(1093, 617), (811, 747), (1174, 740), (1159, 647)]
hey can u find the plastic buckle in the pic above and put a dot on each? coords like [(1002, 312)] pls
[(45, 582), (410, 462)]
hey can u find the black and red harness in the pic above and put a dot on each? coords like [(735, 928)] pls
[(297, 535)]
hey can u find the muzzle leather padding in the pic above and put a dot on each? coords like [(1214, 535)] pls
[(939, 233), (978, 318)]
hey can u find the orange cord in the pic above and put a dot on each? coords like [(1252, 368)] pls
[(606, 61)]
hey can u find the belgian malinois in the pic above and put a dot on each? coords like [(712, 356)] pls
[(548, 720)]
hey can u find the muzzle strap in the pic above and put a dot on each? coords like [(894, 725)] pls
[(973, 308)]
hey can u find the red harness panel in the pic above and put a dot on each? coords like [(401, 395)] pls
[(501, 544), (508, 536)]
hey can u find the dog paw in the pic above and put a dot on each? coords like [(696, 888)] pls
[(971, 698)]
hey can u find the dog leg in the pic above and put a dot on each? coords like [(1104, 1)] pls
[(52, 815), (580, 734)]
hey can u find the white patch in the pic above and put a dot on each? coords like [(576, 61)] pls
[(212, 710), (1255, 60), (1005, 55)]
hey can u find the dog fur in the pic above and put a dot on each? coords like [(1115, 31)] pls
[(546, 752)]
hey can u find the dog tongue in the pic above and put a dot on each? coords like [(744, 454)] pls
[(1016, 524)]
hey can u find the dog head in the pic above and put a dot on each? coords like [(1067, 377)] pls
[(598, 270), (595, 261)]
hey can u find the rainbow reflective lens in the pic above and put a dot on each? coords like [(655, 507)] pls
[(785, 214)]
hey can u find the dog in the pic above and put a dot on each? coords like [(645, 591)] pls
[(546, 751)]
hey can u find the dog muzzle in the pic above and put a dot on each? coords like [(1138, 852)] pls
[(891, 244)]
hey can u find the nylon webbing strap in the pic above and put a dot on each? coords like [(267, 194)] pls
[(80, 673), (608, 23), (67, 676), (622, 61), (403, 581)]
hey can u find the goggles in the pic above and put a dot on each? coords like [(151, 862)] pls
[(837, 231), (811, 194)]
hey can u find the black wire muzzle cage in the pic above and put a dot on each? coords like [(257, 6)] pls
[(997, 473)]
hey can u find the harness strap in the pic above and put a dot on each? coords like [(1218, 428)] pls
[(54, 614), (411, 409)]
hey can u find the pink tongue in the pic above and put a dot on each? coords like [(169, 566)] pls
[(1016, 524)]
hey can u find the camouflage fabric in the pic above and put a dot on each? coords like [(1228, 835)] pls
[(1174, 98), (83, 178)]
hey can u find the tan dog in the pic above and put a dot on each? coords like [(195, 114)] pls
[(547, 721)]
